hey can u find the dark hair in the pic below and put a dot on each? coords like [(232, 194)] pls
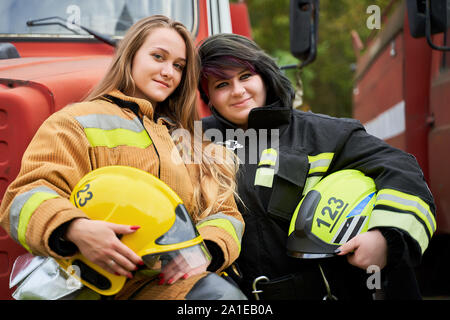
[(224, 51)]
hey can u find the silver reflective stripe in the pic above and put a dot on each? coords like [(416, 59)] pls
[(237, 225), (268, 157), (320, 163), (16, 207), (349, 229), (109, 122), (411, 203)]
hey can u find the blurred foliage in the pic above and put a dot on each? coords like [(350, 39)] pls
[(328, 81)]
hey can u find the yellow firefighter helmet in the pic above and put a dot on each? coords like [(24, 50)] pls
[(126, 195), (334, 211)]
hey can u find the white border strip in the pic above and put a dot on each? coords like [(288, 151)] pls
[(225, 17), (388, 124), (208, 13), (219, 17)]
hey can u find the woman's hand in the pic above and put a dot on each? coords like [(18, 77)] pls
[(98, 242), (365, 249)]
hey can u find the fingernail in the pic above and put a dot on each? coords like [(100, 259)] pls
[(116, 273), (337, 251), (170, 281), (141, 263), (161, 275), (134, 228), (185, 276), (161, 282), (130, 276)]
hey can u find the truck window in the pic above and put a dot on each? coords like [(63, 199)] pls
[(110, 17)]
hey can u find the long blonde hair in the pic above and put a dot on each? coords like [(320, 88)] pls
[(180, 106)]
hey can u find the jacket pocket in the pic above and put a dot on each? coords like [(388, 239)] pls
[(289, 181)]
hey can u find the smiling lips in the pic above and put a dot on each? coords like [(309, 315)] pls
[(165, 84), (241, 103)]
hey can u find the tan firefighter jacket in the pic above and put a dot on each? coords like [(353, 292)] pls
[(89, 135)]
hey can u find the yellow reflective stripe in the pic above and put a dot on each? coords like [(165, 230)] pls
[(321, 156), (264, 177), (105, 130), (320, 162), (269, 162), (238, 225), (406, 202), (224, 224), (268, 157), (27, 211), (117, 137), (403, 221), (311, 183), (270, 151)]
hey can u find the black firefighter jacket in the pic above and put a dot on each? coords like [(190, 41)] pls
[(301, 148)]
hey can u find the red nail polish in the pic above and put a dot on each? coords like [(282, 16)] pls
[(141, 263), (116, 273), (129, 276), (134, 228), (185, 276), (161, 282), (170, 281), (161, 275)]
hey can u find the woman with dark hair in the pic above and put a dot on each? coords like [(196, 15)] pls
[(245, 89)]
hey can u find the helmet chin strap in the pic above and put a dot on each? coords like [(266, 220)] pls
[(329, 295)]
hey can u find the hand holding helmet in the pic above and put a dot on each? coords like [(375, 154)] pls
[(97, 240), (366, 249)]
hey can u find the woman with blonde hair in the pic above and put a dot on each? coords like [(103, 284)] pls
[(148, 92)]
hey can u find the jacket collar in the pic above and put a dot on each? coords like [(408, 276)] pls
[(271, 116), (138, 106)]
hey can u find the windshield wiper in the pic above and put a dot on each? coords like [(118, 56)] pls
[(64, 24)]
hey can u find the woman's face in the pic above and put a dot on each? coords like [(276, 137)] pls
[(158, 65), (233, 98)]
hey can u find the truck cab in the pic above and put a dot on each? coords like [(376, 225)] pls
[(401, 95), (53, 52)]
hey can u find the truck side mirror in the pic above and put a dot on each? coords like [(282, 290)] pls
[(303, 26), (428, 17)]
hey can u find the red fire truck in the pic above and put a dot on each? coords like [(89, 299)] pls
[(402, 95), (53, 52)]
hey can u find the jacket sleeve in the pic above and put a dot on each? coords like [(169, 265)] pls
[(222, 229), (37, 201), (404, 210)]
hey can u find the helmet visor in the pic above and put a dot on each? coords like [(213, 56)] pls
[(181, 260)]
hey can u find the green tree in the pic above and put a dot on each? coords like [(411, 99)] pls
[(328, 81)]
